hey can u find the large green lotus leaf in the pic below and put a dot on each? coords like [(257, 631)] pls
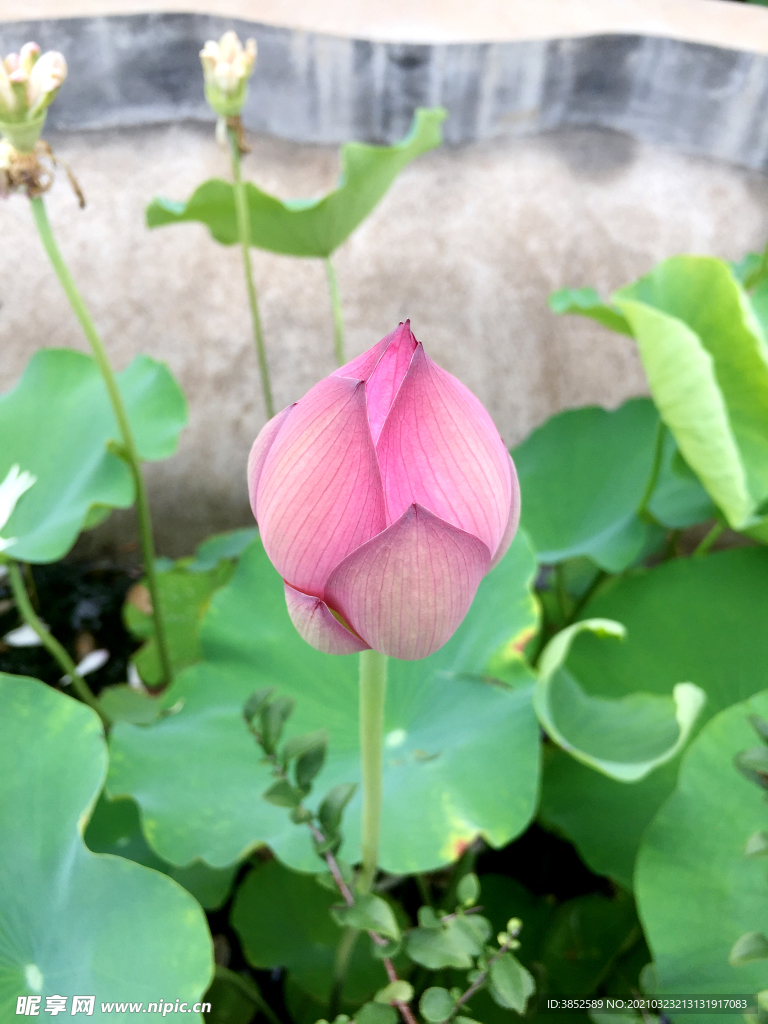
[(625, 739), (56, 424), (283, 919), (73, 922), (307, 227), (678, 500), (699, 620), (586, 302), (583, 476), (114, 827), (584, 938), (707, 366), (461, 754), (697, 893)]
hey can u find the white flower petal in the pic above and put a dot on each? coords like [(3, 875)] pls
[(24, 636), (92, 662)]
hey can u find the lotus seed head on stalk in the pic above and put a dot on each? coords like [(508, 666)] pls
[(227, 66), (29, 82)]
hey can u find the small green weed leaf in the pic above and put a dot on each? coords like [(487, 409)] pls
[(707, 368), (701, 619), (586, 302), (332, 808), (697, 894), (310, 763), (297, 746), (307, 227), (135, 932), (254, 704), (114, 828), (468, 890), (436, 1005), (428, 918), (625, 739), (274, 715), (370, 913), (476, 929), (281, 794), (584, 474), (195, 772), (376, 1013), (57, 424), (283, 920), (510, 984), (395, 991), (750, 946), (454, 944)]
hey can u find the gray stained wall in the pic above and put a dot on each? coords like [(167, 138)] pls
[(143, 69), (468, 243)]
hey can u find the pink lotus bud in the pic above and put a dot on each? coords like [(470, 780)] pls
[(383, 497)]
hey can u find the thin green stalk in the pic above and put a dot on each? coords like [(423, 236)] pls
[(709, 540), (560, 590), (244, 231), (600, 575), (341, 964), (373, 688), (653, 479), (424, 890), (51, 644), (338, 316), (128, 448)]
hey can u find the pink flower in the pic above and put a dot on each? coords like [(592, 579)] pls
[(383, 497)]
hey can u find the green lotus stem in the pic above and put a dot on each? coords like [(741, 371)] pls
[(338, 316), (709, 540), (373, 688), (244, 233), (658, 453), (51, 644), (128, 449)]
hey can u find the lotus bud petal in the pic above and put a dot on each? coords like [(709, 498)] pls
[(226, 70), (28, 84), (28, 55), (383, 497), (7, 98)]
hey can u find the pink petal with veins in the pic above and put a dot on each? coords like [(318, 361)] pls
[(512, 522), (315, 624), (259, 451), (383, 368), (319, 495), (439, 448), (384, 383), (407, 590)]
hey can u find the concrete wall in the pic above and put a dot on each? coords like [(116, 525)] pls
[(468, 244)]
